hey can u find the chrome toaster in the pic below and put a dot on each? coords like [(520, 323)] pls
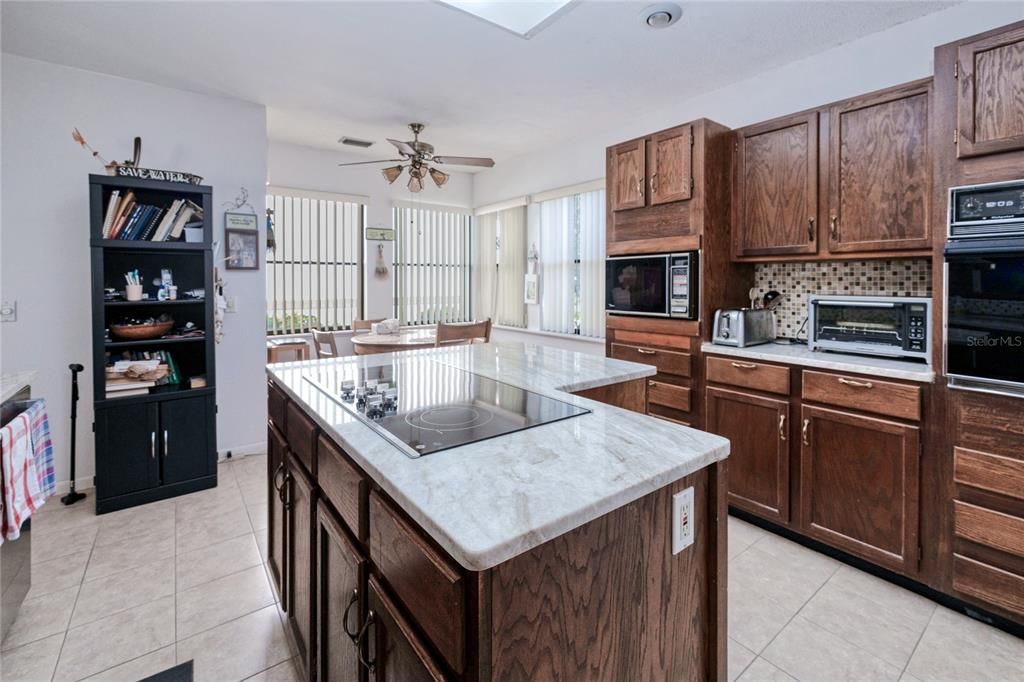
[(743, 327)]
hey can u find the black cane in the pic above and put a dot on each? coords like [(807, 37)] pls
[(72, 495)]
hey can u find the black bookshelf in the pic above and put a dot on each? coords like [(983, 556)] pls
[(160, 443)]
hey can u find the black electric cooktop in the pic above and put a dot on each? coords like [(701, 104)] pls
[(424, 409)]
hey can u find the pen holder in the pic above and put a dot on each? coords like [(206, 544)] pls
[(133, 292)]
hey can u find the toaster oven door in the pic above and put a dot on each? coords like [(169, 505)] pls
[(868, 327)]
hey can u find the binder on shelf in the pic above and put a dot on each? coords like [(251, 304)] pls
[(112, 207)]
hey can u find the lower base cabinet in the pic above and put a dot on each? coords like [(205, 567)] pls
[(299, 511), (341, 600), (276, 476), (859, 485), (393, 652)]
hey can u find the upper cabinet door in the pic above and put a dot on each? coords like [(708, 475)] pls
[(775, 201), (671, 172), (626, 177), (879, 171), (990, 97)]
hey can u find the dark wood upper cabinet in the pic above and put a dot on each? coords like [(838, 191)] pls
[(775, 188), (341, 598), (670, 175), (859, 486), (758, 429), (990, 96), (879, 171), (627, 175)]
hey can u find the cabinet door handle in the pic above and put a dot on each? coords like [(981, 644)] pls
[(344, 618), (803, 432), (646, 351), (279, 470), (744, 365), (166, 448), (152, 444), (857, 384), (782, 427), (810, 229), (640, 186), (284, 491), (654, 183), (371, 664), (651, 382), (833, 226)]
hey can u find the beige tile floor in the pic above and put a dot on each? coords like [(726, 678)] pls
[(125, 595)]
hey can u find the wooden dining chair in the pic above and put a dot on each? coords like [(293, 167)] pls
[(363, 325), (324, 344), (465, 332)]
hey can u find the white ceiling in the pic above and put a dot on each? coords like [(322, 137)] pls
[(365, 69)]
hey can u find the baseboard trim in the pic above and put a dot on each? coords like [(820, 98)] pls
[(242, 451), (81, 484)]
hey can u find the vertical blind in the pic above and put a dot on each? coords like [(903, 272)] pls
[(501, 266), (485, 240), (314, 273), (572, 252), (432, 262)]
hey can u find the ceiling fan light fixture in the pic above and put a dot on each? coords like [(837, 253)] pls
[(391, 173), (415, 183), (438, 177)]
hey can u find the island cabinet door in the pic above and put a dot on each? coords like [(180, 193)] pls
[(299, 511), (990, 74), (859, 480), (758, 431), (341, 599), (775, 190), (276, 529), (390, 649), (879, 171)]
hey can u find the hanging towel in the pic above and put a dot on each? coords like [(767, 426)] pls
[(21, 493), (42, 447)]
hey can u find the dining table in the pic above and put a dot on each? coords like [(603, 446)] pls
[(404, 339)]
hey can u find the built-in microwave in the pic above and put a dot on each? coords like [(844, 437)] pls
[(662, 285)]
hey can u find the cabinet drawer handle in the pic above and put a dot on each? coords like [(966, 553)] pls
[(651, 382), (803, 432), (810, 229), (833, 225), (744, 365), (782, 427), (344, 618), (152, 444), (279, 470), (646, 351), (858, 384), (284, 491), (371, 664), (166, 449), (654, 183)]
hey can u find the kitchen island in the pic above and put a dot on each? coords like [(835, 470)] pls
[(542, 553)]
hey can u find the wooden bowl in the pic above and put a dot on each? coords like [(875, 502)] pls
[(141, 332)]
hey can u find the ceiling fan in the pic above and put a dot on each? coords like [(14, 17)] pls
[(416, 156)]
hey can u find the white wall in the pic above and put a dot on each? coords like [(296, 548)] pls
[(900, 54), (299, 167), (44, 240)]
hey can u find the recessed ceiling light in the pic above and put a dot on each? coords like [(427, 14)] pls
[(353, 142), (525, 19), (662, 15)]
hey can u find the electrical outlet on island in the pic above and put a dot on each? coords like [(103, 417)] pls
[(682, 520)]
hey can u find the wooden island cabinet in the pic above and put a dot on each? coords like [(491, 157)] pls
[(370, 596)]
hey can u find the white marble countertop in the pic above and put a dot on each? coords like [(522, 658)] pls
[(10, 384), (798, 354), (489, 501)]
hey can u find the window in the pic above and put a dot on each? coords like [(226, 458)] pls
[(572, 231), (431, 264), (501, 264), (314, 273)]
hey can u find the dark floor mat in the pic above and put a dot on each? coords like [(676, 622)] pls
[(179, 673)]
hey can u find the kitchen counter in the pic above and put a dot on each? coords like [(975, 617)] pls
[(10, 384), (798, 354), (487, 502)]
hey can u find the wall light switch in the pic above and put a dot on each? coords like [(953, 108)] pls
[(232, 304), (682, 520), (9, 311)]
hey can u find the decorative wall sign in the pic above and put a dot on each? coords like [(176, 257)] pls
[(243, 248), (380, 234), (241, 221), (154, 174)]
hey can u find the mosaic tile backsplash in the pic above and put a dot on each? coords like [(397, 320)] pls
[(796, 281)]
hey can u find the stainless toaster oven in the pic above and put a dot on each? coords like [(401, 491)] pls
[(891, 326)]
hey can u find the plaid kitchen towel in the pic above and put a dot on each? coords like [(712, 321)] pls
[(42, 447), (20, 490)]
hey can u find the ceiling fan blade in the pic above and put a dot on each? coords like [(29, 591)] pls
[(363, 163), (465, 161), (403, 147)]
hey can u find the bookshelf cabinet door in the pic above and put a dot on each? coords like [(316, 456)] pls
[(186, 451), (127, 449)]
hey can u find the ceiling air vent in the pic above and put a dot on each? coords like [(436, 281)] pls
[(353, 142)]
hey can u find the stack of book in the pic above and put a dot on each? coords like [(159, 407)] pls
[(122, 388), (130, 219)]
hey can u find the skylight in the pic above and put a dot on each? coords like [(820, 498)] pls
[(524, 18)]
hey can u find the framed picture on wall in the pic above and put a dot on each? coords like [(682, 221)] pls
[(530, 289), (243, 248)]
